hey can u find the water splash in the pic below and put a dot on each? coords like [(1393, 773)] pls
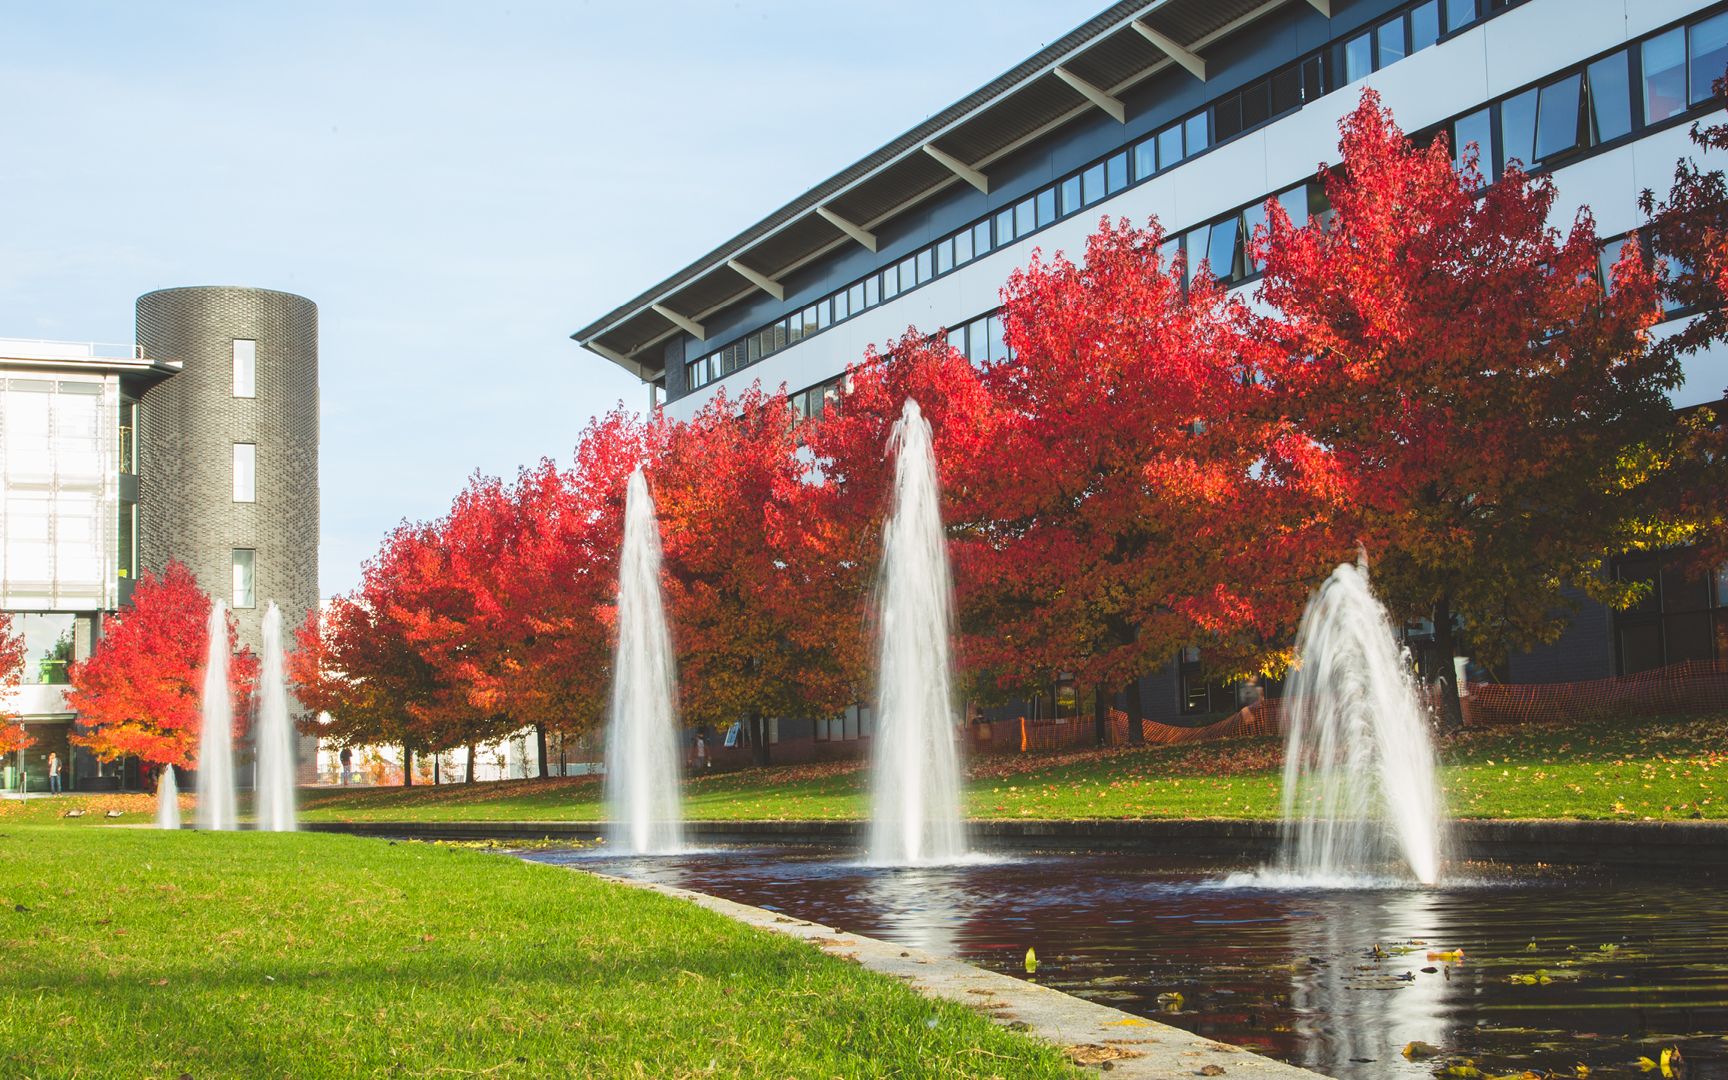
[(642, 759), (1360, 790), (167, 800), (275, 739), (915, 797), (216, 739)]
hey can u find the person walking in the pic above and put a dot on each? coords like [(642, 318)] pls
[(53, 773), (346, 757)]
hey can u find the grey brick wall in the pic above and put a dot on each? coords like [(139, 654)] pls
[(188, 426)]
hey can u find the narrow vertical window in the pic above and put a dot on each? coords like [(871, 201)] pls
[(1664, 75), (245, 592), (245, 368), (245, 472), (1707, 49)]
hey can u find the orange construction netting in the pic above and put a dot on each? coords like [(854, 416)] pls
[(1696, 686)]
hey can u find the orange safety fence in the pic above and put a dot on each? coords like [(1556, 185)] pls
[(1696, 686)]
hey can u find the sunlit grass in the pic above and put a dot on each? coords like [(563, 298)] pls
[(147, 954)]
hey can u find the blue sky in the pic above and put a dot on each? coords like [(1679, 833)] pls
[(458, 186)]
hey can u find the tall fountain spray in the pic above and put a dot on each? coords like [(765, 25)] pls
[(1359, 766), (642, 759), (216, 740), (275, 738), (915, 798), (167, 800)]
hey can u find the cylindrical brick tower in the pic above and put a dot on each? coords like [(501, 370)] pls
[(228, 450)]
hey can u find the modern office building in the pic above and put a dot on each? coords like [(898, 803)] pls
[(1198, 111), (68, 517), (228, 461)]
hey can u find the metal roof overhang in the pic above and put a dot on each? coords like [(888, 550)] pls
[(1081, 72)]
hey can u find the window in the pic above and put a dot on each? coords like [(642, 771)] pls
[(1195, 244), (1611, 252), (48, 638), (1227, 117), (1116, 172), (1092, 184), (855, 295), (245, 594), (1682, 615), (1253, 218), (1610, 98), (962, 248), (909, 278), (1459, 14), (1518, 129), (1025, 219), (245, 368), (1145, 159), (926, 266), (1664, 75), (1390, 38), (1295, 204), (245, 472), (1046, 207), (1169, 146), (1557, 129), (1475, 130), (1424, 25), (1069, 195), (842, 309), (981, 237), (1286, 91), (873, 283), (1358, 58), (1195, 135), (1707, 55), (891, 282), (1224, 248), (127, 554)]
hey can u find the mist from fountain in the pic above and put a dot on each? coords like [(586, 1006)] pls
[(167, 800), (275, 734), (216, 809), (642, 740), (1360, 785), (915, 768)]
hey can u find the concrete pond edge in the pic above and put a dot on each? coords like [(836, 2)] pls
[(1089, 1034)]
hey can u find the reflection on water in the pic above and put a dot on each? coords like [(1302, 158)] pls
[(1556, 969)]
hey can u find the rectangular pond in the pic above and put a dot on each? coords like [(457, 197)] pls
[(1509, 969)]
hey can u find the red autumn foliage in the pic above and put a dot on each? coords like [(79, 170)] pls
[(1494, 413), (753, 627), (139, 694), (11, 660), (1143, 494)]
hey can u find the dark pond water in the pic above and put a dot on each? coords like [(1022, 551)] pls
[(1556, 969)]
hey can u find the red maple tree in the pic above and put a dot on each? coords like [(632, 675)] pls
[(1494, 412), (747, 624), (139, 693), (1143, 494)]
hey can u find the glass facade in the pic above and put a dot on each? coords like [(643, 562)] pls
[(59, 499)]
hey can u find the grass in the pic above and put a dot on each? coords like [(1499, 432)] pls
[(148, 954), (1662, 769)]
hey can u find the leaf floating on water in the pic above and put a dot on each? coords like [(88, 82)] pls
[(1419, 1049), (1453, 956), (1031, 962)]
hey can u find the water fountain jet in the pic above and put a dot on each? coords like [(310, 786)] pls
[(642, 759), (275, 738), (216, 809), (1360, 787), (915, 769), (167, 800)]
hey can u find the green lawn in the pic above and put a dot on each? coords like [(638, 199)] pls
[(139, 953), (1661, 769)]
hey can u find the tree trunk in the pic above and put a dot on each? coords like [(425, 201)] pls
[(1451, 706), (1132, 692), (759, 737), (1101, 715), (407, 766), (469, 779), (437, 761), (540, 750)]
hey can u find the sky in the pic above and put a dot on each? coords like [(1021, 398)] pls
[(458, 186)]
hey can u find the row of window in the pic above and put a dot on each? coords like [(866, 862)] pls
[(1683, 616), (1415, 27)]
